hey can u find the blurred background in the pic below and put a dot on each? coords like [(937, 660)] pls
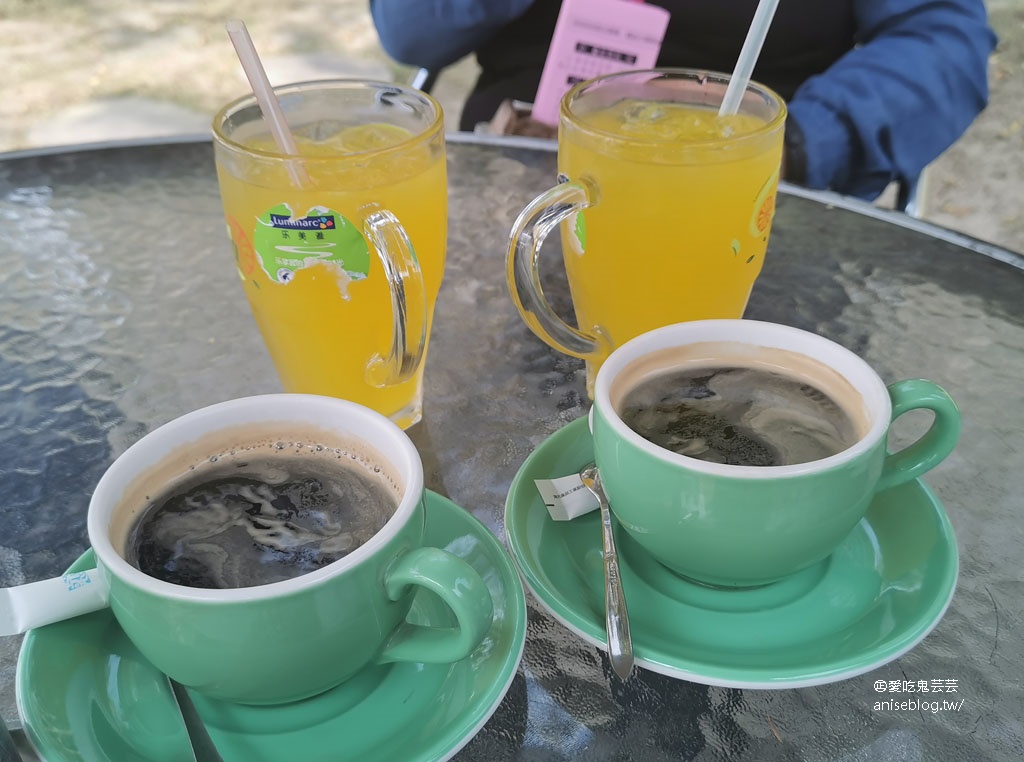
[(84, 71)]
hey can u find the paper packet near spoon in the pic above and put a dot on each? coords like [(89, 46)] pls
[(566, 497)]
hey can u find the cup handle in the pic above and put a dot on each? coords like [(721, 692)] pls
[(936, 443), (408, 300), (535, 222), (460, 587), (35, 604)]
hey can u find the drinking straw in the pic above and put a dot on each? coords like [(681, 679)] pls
[(268, 103), (748, 56)]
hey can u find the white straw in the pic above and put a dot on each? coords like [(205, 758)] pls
[(748, 56), (269, 106)]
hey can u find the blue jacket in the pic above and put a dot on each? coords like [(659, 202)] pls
[(911, 80)]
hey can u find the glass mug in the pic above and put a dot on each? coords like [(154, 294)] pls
[(341, 251), (664, 208)]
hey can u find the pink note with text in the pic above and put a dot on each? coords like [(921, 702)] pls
[(595, 37)]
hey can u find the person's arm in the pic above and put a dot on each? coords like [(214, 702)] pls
[(435, 33), (890, 106)]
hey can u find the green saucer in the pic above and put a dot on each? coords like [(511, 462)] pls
[(85, 693), (878, 595)]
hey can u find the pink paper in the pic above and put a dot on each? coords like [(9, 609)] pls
[(595, 37)]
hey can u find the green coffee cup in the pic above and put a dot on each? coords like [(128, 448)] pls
[(746, 525), (291, 639)]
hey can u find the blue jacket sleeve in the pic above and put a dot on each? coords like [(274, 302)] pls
[(435, 33), (891, 105)]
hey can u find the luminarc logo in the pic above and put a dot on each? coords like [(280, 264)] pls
[(319, 222)]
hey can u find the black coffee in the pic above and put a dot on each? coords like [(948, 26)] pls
[(738, 416), (244, 522)]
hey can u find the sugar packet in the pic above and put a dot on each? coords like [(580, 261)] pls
[(566, 497)]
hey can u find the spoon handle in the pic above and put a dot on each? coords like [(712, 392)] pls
[(620, 644), (616, 620), (202, 746)]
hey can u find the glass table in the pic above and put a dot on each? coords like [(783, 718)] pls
[(120, 310)]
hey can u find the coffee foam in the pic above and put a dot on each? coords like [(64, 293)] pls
[(716, 354), (239, 444)]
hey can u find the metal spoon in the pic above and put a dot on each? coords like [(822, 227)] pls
[(203, 749), (616, 620)]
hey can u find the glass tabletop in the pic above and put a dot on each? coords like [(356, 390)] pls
[(120, 310)]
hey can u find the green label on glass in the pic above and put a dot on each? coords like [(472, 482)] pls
[(578, 229), (286, 243)]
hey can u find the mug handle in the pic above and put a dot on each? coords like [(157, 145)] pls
[(408, 300), (25, 607), (460, 587), (535, 222), (936, 443)]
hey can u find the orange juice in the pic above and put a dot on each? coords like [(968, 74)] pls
[(680, 215), (309, 267)]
